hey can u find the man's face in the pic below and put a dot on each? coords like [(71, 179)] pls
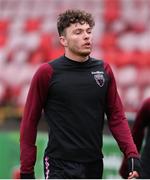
[(78, 39)]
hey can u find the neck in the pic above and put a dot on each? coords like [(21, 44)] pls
[(77, 58)]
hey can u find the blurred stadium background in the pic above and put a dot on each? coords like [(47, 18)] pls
[(28, 37)]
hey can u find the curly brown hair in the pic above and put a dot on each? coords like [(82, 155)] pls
[(73, 16)]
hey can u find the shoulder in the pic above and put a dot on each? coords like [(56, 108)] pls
[(147, 102), (102, 63), (97, 61), (44, 71), (57, 62), (146, 105), (106, 66)]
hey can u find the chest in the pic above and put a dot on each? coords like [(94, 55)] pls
[(79, 83)]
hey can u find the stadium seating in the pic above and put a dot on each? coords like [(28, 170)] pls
[(28, 37)]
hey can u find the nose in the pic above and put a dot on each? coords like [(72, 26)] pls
[(86, 35)]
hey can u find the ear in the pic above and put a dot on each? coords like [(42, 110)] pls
[(63, 41)]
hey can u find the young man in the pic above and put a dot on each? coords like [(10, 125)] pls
[(75, 91), (141, 132)]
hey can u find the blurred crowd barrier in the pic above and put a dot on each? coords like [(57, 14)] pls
[(28, 37)]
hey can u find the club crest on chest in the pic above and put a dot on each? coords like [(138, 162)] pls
[(99, 77)]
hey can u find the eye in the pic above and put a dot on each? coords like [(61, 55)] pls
[(78, 31), (89, 31)]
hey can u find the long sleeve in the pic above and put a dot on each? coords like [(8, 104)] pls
[(117, 121), (35, 102), (141, 122)]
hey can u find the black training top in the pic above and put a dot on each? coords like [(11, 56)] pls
[(75, 109), (74, 96)]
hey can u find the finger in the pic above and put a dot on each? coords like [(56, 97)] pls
[(130, 176), (133, 174)]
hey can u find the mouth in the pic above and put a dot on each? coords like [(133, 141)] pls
[(88, 45)]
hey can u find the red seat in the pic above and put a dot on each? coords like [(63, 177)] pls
[(3, 40), (32, 25), (111, 10), (108, 40), (46, 45), (37, 57), (4, 25), (56, 52)]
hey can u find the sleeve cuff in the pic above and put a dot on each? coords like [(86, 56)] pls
[(27, 176)]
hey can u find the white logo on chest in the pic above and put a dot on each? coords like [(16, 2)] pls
[(99, 77)]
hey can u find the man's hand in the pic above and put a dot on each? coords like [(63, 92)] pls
[(134, 168), (133, 174)]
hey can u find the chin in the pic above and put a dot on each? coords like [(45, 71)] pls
[(87, 53)]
